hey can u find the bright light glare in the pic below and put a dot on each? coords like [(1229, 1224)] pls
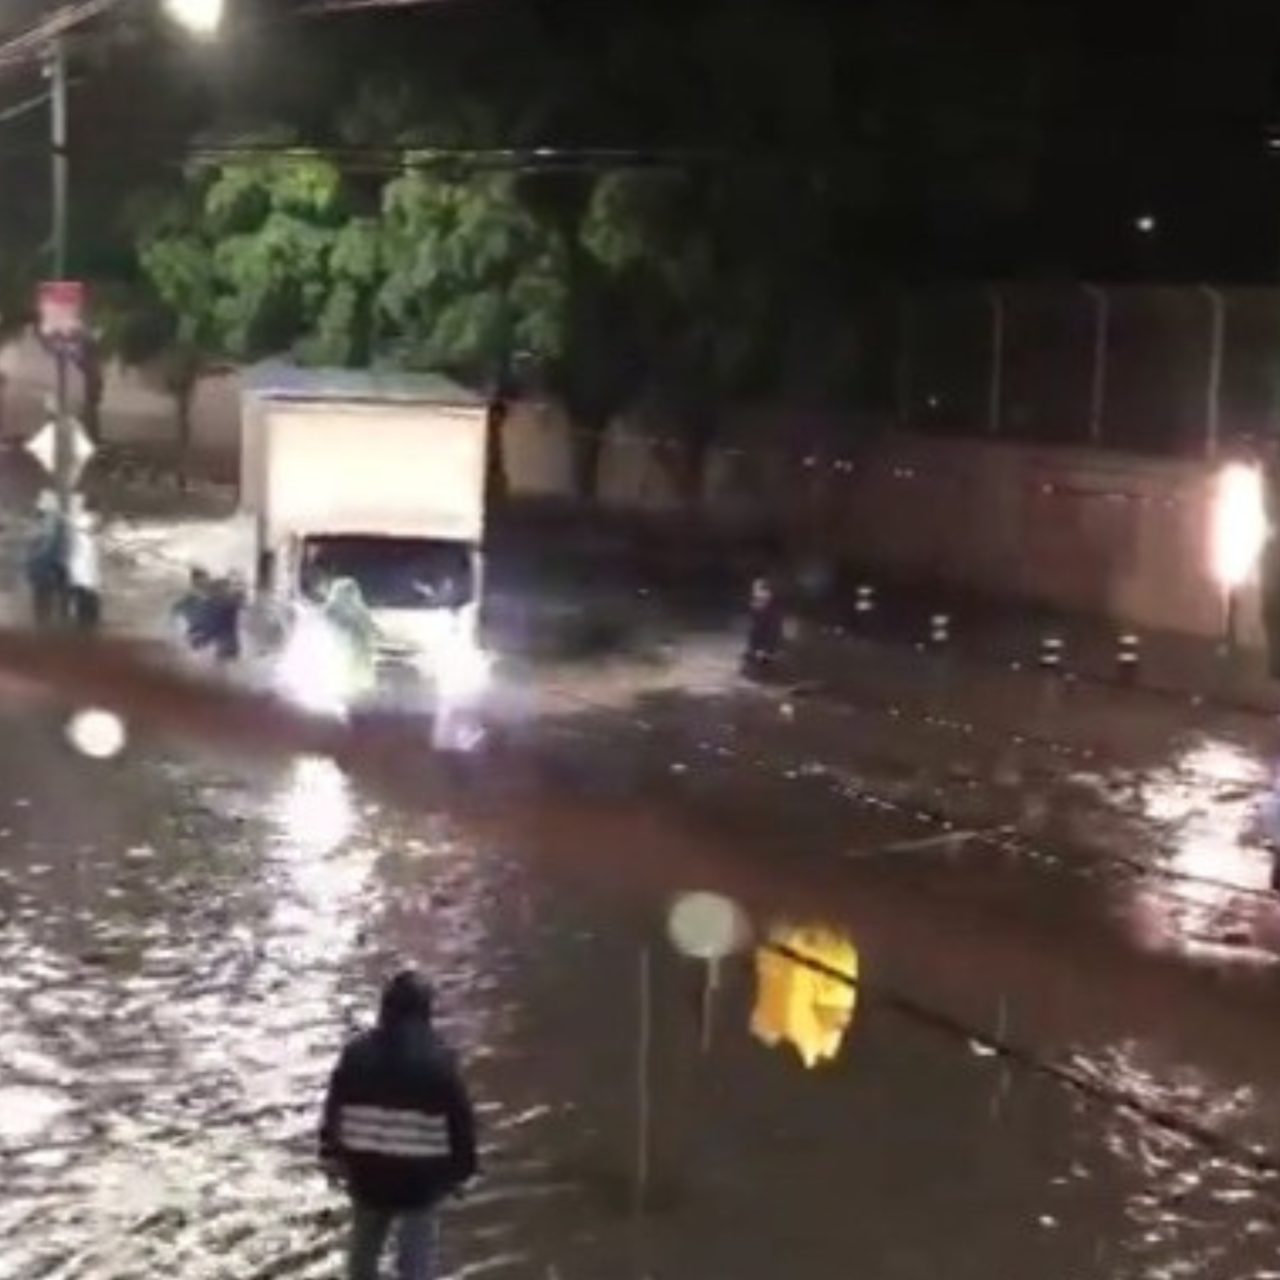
[(1239, 524), (314, 670), (462, 670), (199, 17), (97, 734), (317, 811)]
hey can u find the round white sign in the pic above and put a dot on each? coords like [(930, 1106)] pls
[(706, 926)]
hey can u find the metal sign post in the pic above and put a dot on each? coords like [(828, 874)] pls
[(60, 308)]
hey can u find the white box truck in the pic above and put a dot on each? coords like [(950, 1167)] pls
[(378, 480)]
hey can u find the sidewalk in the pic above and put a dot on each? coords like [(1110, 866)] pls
[(1012, 636)]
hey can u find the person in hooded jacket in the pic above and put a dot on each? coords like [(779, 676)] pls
[(84, 571), (193, 610), (398, 1130), (346, 611), (46, 563), (766, 632)]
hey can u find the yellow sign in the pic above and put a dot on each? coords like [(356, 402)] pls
[(808, 1007)]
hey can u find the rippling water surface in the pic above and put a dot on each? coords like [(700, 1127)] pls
[(186, 944)]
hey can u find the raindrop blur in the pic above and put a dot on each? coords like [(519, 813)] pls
[(706, 926), (96, 733)]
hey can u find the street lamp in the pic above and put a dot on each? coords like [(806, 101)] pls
[(199, 18), (1238, 535)]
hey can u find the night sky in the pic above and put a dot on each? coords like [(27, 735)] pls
[(1109, 117)]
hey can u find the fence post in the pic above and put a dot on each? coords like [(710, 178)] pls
[(1213, 383), (1101, 342), (906, 328), (995, 401)]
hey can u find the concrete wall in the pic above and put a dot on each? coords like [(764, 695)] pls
[(1107, 534), (1110, 535), (135, 405)]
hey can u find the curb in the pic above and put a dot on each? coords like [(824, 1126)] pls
[(1221, 688)]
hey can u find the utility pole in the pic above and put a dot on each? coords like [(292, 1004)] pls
[(64, 460)]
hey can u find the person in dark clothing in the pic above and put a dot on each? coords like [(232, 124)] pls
[(84, 572), (192, 612), (226, 604), (46, 568), (766, 632), (398, 1130), (313, 577)]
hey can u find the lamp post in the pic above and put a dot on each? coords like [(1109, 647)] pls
[(200, 19), (64, 427), (1237, 536)]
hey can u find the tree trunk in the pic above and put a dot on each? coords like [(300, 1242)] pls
[(183, 399), (497, 480), (94, 389), (701, 432), (586, 447)]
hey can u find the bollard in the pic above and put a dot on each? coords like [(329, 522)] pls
[(1051, 653), (1128, 657), (940, 630)]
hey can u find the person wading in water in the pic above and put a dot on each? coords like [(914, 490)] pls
[(398, 1131)]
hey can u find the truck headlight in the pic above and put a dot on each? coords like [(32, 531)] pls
[(314, 670), (462, 670)]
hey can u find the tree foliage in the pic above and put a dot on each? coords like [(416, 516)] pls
[(797, 156), (471, 278)]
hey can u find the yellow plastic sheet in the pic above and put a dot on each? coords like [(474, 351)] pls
[(800, 1005)]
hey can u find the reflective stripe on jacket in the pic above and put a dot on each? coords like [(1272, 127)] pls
[(392, 1131)]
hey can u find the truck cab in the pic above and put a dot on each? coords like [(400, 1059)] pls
[(373, 487)]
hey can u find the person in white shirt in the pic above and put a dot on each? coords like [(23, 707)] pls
[(84, 571)]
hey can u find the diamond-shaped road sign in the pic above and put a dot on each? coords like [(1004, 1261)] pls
[(43, 446)]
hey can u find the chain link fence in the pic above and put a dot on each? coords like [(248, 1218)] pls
[(1180, 372)]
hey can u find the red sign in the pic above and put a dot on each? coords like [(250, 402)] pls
[(61, 310)]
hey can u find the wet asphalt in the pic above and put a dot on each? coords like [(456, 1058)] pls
[(188, 937)]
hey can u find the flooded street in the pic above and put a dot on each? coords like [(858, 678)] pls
[(187, 940)]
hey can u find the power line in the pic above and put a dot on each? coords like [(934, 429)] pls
[(388, 160), (322, 7), (1256, 1159), (33, 42), (21, 109)]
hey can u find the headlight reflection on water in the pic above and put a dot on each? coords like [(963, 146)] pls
[(315, 671), (316, 811), (273, 1030), (1204, 803)]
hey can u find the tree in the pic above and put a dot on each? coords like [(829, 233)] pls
[(702, 303), (472, 285), (471, 276), (597, 369), (261, 255), (133, 325)]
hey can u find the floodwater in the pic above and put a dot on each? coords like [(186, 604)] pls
[(186, 945)]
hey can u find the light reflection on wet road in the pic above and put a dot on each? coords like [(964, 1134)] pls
[(185, 947)]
